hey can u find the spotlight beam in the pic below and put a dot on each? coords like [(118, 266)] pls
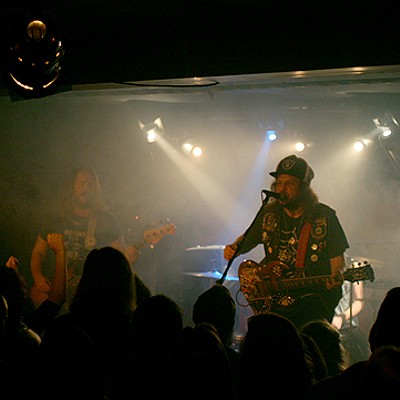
[(217, 198)]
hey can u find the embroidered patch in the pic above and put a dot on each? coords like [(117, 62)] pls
[(270, 222), (319, 228)]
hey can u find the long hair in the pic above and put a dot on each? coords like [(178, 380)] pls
[(68, 192), (328, 340), (106, 290), (309, 195)]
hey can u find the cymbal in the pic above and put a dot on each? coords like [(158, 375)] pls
[(211, 247), (212, 274)]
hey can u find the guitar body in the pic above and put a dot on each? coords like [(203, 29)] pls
[(266, 288), (260, 285)]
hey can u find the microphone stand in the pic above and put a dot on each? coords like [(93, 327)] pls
[(221, 280)]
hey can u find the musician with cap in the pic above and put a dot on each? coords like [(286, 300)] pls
[(304, 243)]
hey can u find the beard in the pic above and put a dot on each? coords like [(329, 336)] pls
[(298, 202), (293, 204)]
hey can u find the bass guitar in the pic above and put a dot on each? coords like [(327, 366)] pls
[(264, 286), (74, 268), (152, 236)]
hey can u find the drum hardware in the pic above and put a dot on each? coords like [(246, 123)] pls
[(214, 274), (211, 247)]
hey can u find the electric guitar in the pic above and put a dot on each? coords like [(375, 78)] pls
[(74, 268), (153, 236), (264, 286)]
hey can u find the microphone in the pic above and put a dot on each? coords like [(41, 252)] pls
[(279, 196)]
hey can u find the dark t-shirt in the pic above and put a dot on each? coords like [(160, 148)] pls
[(78, 241)]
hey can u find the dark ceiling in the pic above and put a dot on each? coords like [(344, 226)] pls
[(125, 40)]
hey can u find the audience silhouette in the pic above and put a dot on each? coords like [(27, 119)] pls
[(156, 325), (385, 331), (108, 346), (19, 344), (273, 360), (21, 323), (327, 338), (102, 307), (70, 363), (370, 378), (382, 372), (8, 387), (315, 359), (198, 367), (217, 307)]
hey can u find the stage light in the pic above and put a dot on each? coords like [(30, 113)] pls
[(386, 132), (153, 131), (300, 146), (272, 135), (32, 68), (197, 151), (191, 148), (358, 146), (387, 125)]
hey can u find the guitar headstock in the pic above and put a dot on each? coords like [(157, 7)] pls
[(363, 272), (153, 236)]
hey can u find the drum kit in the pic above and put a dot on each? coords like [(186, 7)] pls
[(214, 273)]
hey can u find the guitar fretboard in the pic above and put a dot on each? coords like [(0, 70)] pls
[(301, 283)]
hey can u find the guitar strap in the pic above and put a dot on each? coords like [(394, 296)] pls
[(90, 240), (303, 242)]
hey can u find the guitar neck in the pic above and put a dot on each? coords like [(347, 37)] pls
[(153, 236), (361, 273), (302, 283)]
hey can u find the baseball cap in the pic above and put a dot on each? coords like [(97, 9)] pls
[(294, 166)]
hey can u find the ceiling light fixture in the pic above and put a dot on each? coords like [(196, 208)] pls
[(33, 68), (387, 125), (153, 131)]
